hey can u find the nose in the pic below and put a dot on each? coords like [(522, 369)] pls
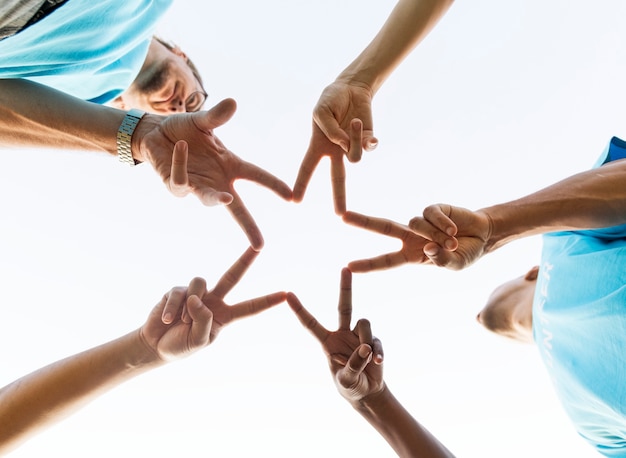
[(176, 106), (479, 319)]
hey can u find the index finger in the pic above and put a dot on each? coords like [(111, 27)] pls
[(382, 262), (308, 166), (379, 225), (255, 173), (257, 305), (245, 220), (232, 276), (307, 320), (345, 300)]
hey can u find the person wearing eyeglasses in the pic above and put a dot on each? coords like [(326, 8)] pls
[(185, 320), (91, 76)]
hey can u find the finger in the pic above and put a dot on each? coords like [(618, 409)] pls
[(216, 116), (356, 364), (377, 351), (179, 179), (345, 300), (338, 179), (197, 287), (382, 262), (210, 197), (326, 122), (232, 276), (364, 330), (174, 301), (254, 173), (425, 229), (356, 134), (257, 305), (443, 258), (439, 216), (201, 322), (245, 220), (309, 163), (307, 320), (369, 141), (378, 225)]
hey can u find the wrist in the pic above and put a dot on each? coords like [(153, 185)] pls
[(140, 354), (373, 401), (148, 123)]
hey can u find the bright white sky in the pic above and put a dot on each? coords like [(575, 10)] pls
[(501, 99)]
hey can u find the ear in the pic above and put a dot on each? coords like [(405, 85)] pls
[(532, 274), (118, 102), (179, 52)]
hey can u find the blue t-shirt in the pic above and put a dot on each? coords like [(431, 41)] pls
[(579, 325), (91, 49)]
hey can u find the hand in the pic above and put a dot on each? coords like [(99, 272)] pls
[(342, 124), (355, 357), (190, 318), (201, 164), (471, 231), (412, 250)]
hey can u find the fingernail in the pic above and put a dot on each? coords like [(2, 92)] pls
[(344, 146), (167, 318), (372, 144), (450, 231), (449, 244)]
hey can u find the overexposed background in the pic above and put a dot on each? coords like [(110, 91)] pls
[(501, 99)]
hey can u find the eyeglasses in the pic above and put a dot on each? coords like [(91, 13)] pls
[(195, 101)]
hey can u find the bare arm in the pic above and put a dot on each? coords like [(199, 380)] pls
[(588, 200), (409, 22), (38, 116), (49, 394), (355, 358)]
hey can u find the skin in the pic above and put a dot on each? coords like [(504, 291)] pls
[(182, 148), (508, 311), (175, 82), (342, 119), (455, 237), (195, 316), (355, 359)]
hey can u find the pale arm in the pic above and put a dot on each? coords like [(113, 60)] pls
[(409, 22), (48, 395)]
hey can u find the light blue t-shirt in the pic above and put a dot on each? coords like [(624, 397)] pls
[(91, 49), (579, 325)]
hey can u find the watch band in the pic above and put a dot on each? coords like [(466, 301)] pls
[(125, 133)]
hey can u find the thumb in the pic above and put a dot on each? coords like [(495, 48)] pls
[(355, 366), (217, 115)]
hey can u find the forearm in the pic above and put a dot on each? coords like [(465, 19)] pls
[(409, 22), (404, 434), (49, 394), (34, 115), (588, 200)]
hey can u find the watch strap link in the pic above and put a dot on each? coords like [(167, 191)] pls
[(124, 135)]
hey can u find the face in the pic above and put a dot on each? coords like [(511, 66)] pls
[(165, 84), (509, 308)]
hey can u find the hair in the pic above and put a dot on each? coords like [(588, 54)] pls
[(169, 45)]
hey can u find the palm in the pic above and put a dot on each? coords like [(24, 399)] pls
[(204, 166)]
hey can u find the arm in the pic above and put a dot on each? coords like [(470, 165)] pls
[(50, 394), (185, 320), (181, 148), (588, 200), (355, 358), (342, 118)]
